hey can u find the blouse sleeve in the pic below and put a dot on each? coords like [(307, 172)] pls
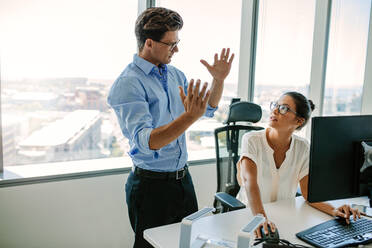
[(248, 148), (304, 169)]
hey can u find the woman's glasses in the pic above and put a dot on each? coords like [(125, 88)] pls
[(283, 109)]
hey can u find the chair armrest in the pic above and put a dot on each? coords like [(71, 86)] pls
[(229, 202)]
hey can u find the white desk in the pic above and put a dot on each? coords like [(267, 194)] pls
[(290, 217)]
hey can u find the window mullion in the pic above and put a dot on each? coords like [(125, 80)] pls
[(319, 54), (319, 57), (248, 38), (1, 129), (367, 86), (144, 4)]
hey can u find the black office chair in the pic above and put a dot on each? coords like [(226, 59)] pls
[(227, 139)]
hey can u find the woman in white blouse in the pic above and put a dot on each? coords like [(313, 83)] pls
[(274, 160)]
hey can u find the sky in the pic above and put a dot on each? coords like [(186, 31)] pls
[(50, 38), (95, 39)]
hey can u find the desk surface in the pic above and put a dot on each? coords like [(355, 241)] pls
[(290, 217)]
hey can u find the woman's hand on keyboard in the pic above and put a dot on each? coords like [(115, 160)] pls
[(345, 211)]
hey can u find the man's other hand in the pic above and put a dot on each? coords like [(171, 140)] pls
[(221, 67)]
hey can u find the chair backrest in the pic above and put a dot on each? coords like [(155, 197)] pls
[(227, 141)]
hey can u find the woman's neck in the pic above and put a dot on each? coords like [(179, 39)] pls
[(278, 140)]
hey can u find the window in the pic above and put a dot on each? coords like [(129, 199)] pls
[(58, 61), (283, 53), (346, 57), (208, 28)]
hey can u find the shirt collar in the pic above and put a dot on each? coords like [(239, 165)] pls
[(146, 66)]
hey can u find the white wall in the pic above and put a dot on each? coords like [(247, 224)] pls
[(89, 212)]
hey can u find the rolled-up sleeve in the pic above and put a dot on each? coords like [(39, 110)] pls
[(209, 112), (128, 99)]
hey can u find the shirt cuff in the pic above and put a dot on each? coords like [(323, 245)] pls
[(210, 111), (142, 140)]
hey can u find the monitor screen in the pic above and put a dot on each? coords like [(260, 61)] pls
[(336, 156)]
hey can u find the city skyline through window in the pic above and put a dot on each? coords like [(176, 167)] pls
[(58, 61)]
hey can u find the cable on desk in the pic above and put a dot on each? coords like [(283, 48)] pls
[(270, 243)]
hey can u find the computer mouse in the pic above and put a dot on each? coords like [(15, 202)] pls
[(271, 237)]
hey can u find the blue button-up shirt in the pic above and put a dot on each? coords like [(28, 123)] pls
[(145, 97)]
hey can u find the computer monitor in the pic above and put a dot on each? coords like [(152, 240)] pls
[(336, 157)]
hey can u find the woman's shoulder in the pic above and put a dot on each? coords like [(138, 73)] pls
[(301, 142), (254, 134)]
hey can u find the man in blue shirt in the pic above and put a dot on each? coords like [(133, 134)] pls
[(155, 105)]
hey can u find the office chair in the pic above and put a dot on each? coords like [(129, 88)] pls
[(227, 139)]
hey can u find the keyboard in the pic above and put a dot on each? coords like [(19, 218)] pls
[(336, 233)]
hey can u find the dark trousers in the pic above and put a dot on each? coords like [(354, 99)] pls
[(156, 202)]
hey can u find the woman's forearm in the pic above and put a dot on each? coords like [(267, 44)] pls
[(324, 207), (254, 199)]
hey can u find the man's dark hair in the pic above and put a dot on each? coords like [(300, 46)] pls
[(153, 23), (304, 107)]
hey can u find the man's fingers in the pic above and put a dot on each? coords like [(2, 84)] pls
[(231, 59), (227, 53), (204, 89), (190, 88), (206, 98), (196, 89), (215, 59), (182, 93), (222, 56), (205, 63)]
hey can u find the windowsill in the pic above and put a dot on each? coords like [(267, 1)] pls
[(48, 172)]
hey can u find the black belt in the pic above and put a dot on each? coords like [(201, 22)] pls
[(161, 175)]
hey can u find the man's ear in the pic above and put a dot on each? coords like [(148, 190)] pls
[(149, 43)]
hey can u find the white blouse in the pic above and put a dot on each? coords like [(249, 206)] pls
[(275, 184)]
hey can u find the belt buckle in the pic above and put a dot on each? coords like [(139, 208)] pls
[(180, 174)]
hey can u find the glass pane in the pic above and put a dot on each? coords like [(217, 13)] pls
[(346, 57), (58, 61), (284, 47), (208, 28)]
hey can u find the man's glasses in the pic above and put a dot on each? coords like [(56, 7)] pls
[(283, 109), (171, 45)]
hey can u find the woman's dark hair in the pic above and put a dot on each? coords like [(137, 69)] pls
[(304, 107), (153, 23)]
